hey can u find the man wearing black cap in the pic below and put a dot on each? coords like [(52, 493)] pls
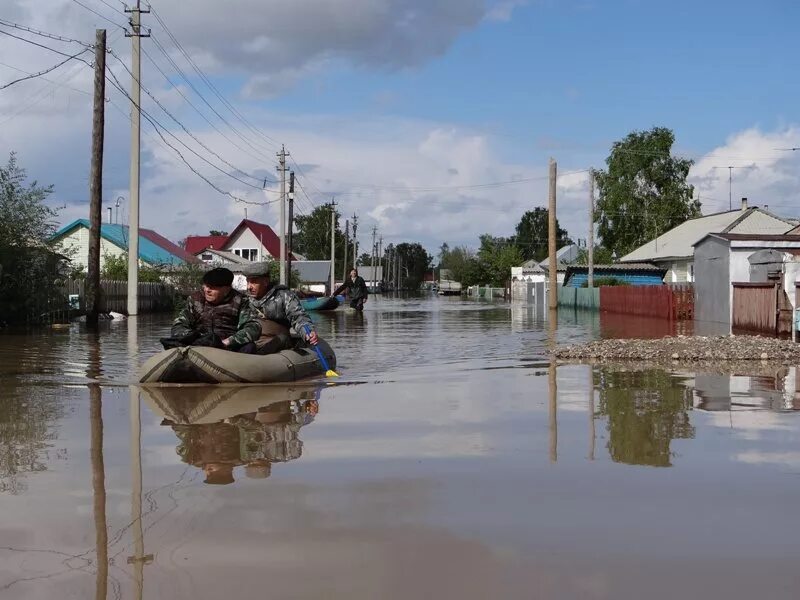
[(217, 316), (278, 310)]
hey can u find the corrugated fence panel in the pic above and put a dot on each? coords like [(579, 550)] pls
[(755, 307), (646, 301)]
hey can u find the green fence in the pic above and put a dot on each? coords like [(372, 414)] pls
[(583, 298)]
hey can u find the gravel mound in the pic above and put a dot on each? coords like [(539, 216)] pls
[(686, 349)]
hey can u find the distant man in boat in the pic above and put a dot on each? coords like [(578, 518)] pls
[(356, 290), (283, 320), (216, 316)]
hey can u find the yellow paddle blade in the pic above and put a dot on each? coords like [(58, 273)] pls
[(331, 373)]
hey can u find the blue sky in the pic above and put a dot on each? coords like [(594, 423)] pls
[(426, 100)]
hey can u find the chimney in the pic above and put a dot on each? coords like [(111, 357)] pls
[(744, 203)]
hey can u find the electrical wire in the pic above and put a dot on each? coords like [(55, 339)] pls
[(45, 72), (51, 36), (91, 10)]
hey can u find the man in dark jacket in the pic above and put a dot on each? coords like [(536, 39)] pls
[(217, 316), (279, 312), (356, 290)]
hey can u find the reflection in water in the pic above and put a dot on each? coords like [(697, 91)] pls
[(646, 410), (98, 490), (223, 428)]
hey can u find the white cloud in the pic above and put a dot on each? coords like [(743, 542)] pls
[(765, 174), (503, 11)]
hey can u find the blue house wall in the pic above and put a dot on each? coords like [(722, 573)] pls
[(631, 278)]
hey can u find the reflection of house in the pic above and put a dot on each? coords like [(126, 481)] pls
[(154, 249), (724, 259), (634, 274), (674, 250), (778, 389)]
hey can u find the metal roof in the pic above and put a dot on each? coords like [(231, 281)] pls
[(149, 249), (679, 241)]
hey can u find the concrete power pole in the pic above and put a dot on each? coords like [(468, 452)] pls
[(291, 227), (380, 257), (552, 295), (346, 244), (136, 36), (282, 168), (333, 246), (373, 253), (96, 181), (591, 229)]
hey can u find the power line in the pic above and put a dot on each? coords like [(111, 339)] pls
[(45, 72), (91, 10), (45, 79), (40, 45), (182, 126), (51, 36), (209, 83)]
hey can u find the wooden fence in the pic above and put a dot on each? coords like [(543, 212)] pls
[(152, 297), (761, 308)]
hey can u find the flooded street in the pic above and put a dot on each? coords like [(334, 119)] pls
[(450, 460)]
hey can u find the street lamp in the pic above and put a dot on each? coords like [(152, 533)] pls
[(116, 204)]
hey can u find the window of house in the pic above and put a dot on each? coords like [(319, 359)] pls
[(206, 256), (250, 253), (237, 252)]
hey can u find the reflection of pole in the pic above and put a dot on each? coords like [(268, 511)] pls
[(553, 388), (139, 559), (99, 490), (591, 413)]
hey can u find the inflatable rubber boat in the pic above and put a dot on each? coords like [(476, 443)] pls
[(201, 364), (321, 303)]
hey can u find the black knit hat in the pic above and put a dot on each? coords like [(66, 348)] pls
[(218, 277)]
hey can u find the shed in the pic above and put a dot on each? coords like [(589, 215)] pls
[(632, 274)]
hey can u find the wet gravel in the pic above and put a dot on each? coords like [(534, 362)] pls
[(685, 349)]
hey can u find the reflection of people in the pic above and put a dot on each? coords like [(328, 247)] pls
[(216, 316), (356, 290), (278, 310), (254, 440)]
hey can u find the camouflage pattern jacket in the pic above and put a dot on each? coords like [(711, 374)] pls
[(232, 318), (281, 305)]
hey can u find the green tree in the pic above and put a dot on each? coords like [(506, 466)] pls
[(644, 191), (115, 268), (602, 256), (532, 234), (364, 260), (30, 269), (497, 255), (313, 236), (415, 261)]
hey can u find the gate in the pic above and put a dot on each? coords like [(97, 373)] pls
[(761, 308)]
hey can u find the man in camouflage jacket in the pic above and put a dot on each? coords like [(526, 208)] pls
[(217, 316), (278, 310)]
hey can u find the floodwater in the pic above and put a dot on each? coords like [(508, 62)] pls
[(451, 460)]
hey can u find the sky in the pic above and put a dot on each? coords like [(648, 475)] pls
[(432, 120)]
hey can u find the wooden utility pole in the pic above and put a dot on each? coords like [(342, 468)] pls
[(380, 257), (136, 36), (96, 181), (282, 168), (591, 229), (291, 227), (346, 244), (355, 239), (552, 294), (333, 246)]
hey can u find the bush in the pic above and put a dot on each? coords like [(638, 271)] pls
[(606, 282)]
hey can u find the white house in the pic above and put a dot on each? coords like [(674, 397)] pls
[(220, 258), (674, 250), (154, 249)]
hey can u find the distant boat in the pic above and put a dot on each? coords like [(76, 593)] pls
[(321, 303)]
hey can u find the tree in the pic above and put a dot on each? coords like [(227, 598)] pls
[(115, 268), (497, 255), (29, 266), (415, 261), (364, 260), (644, 191), (532, 234), (217, 232), (602, 256), (313, 236)]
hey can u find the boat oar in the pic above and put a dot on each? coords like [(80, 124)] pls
[(328, 371)]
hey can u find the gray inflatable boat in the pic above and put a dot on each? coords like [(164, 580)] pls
[(200, 364)]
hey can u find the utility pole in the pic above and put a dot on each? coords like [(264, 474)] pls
[(372, 255), (346, 244), (591, 229), (96, 180), (136, 36), (282, 168), (333, 245), (552, 294), (380, 257), (355, 239), (291, 227)]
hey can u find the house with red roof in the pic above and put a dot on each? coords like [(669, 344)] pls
[(250, 240)]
